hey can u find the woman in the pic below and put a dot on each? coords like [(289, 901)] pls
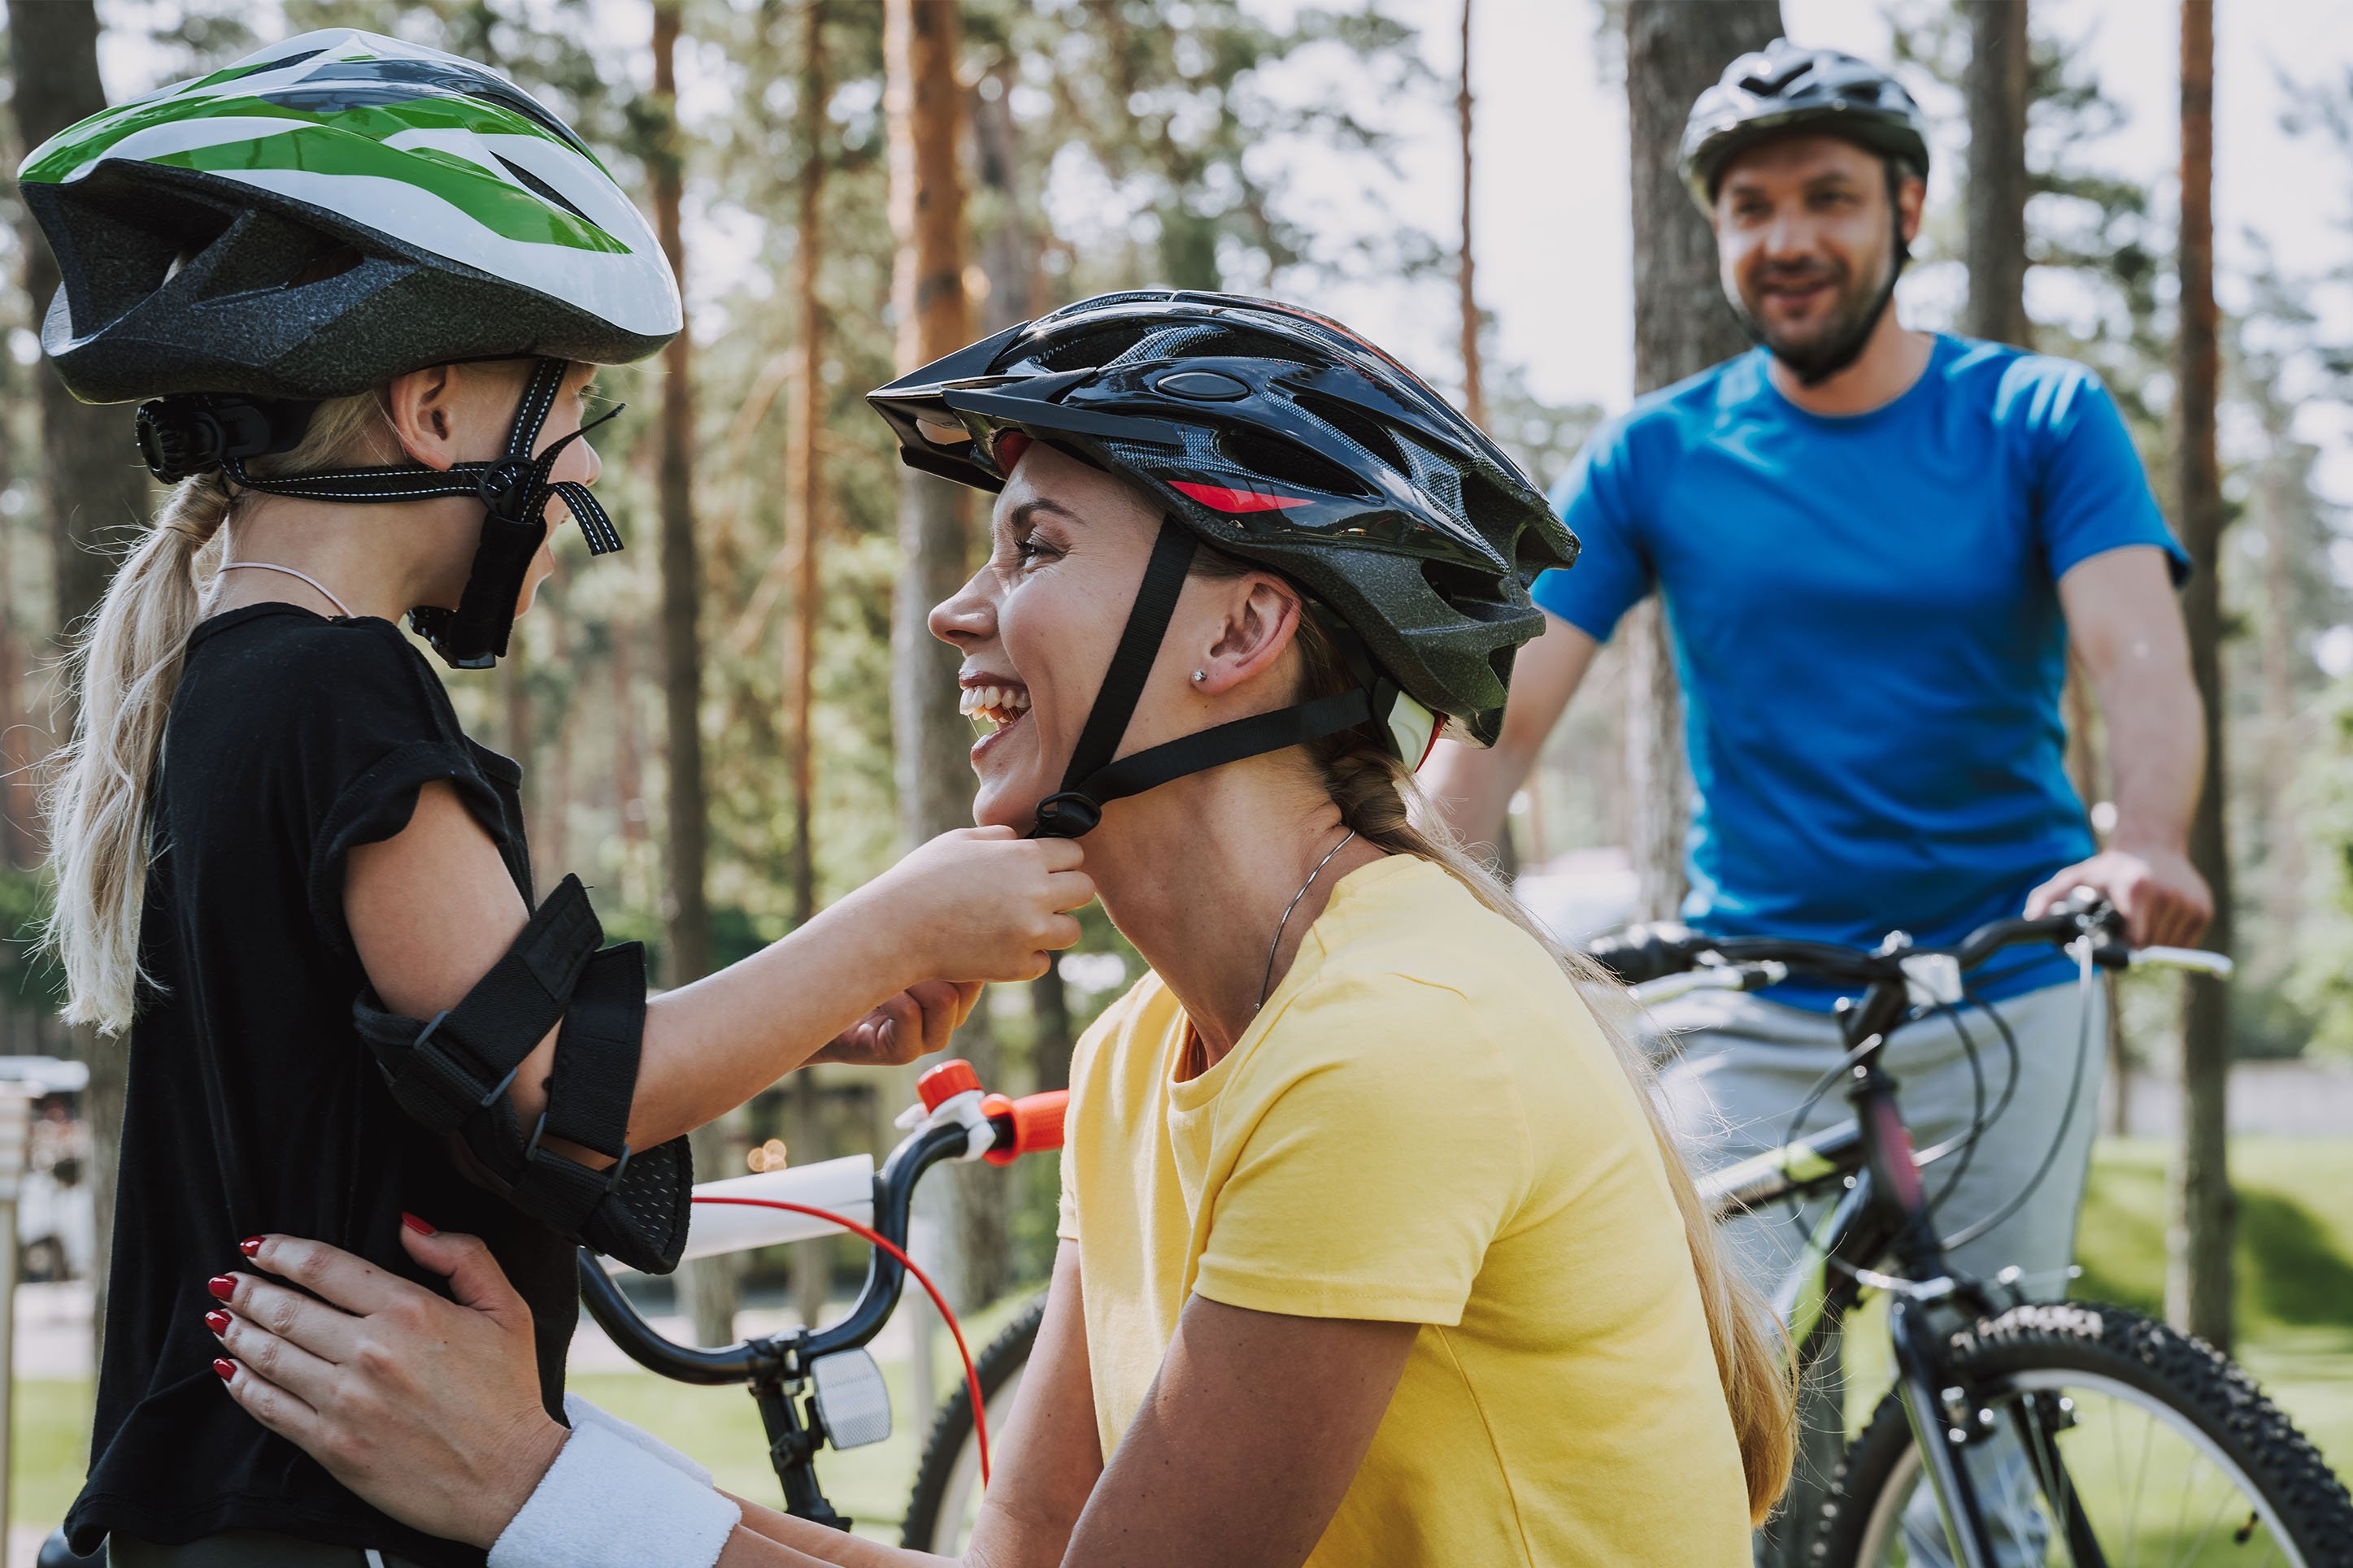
[(1372, 1250), (366, 286)]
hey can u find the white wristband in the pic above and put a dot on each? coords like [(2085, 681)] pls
[(579, 1413), (612, 1500)]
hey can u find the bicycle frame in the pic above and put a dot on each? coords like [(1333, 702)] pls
[(1884, 1214)]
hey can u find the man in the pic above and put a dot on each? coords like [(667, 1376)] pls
[(1875, 546)]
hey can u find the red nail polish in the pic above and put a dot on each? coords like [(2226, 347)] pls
[(216, 1320), (419, 1226), (221, 1286), (227, 1369), (249, 1246)]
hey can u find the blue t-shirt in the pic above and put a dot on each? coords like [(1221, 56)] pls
[(1867, 625)]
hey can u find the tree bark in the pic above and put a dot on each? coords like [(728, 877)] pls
[(935, 778), (803, 477), (925, 107), (92, 485), (709, 1289), (804, 501), (2197, 1270), (1474, 392), (1994, 86), (1681, 326)]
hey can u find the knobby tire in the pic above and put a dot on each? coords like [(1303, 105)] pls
[(2183, 1373)]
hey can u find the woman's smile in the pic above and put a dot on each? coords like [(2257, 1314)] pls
[(1000, 699)]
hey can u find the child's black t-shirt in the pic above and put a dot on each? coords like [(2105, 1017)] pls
[(253, 1105)]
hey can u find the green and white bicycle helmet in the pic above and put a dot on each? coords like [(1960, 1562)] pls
[(317, 218)]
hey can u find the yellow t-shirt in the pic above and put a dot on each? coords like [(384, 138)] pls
[(1424, 1124)]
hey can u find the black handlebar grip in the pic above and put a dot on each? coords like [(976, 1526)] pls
[(1652, 952)]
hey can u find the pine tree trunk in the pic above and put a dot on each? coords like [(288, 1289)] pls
[(707, 1288), (1994, 86), (804, 499), (925, 107), (1681, 326), (1474, 392), (2198, 1271), (93, 487), (804, 480)]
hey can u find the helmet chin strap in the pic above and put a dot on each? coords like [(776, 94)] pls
[(1093, 779), (513, 488)]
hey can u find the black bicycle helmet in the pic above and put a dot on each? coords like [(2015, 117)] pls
[(326, 214), (1282, 438), (1785, 88)]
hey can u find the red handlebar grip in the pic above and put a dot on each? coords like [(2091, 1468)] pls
[(1026, 1125)]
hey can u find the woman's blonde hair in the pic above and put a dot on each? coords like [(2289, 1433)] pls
[(124, 668), (1378, 797)]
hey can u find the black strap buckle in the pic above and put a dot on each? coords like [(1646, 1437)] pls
[(1068, 815)]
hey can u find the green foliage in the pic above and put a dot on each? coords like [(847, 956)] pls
[(31, 980), (2322, 980)]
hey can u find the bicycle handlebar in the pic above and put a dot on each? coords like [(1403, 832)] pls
[(1016, 1127), (1647, 958)]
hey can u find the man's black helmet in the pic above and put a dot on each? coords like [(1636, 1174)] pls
[(1281, 437), (1785, 88)]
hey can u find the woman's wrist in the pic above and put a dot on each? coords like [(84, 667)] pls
[(522, 1465)]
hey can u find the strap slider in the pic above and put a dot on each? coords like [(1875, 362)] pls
[(531, 1155), (506, 486), (1067, 815)]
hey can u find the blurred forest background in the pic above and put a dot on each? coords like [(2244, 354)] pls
[(739, 719)]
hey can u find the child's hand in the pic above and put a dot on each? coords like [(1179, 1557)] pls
[(980, 904), (914, 1023)]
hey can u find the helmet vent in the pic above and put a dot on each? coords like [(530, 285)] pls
[(540, 188), (1356, 425), (1265, 458), (1089, 350), (1488, 505)]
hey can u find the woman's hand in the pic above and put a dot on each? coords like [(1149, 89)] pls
[(427, 1408), (914, 1023), (980, 904)]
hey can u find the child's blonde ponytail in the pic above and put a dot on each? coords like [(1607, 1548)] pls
[(123, 669)]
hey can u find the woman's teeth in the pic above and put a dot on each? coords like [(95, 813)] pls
[(1000, 705)]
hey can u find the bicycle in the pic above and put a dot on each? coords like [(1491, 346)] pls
[(820, 1386), (1976, 1359), (1979, 1364)]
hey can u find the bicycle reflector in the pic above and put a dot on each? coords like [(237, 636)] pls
[(852, 1398)]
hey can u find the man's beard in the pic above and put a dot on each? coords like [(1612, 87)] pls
[(1840, 341)]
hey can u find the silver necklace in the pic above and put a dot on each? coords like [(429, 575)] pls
[(1266, 985), (266, 566)]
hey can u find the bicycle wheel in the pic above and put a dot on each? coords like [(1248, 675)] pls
[(2167, 1454), (947, 1484)]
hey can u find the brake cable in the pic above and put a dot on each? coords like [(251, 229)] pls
[(1969, 1233), (971, 1374)]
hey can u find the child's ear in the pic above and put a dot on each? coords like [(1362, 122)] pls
[(419, 405)]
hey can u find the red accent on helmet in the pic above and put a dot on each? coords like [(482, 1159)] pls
[(1225, 500), (1010, 447)]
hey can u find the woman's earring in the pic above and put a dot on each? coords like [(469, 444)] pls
[(1200, 674)]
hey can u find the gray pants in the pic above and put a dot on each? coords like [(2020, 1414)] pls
[(1733, 1071)]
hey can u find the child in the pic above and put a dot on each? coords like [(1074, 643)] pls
[(366, 285)]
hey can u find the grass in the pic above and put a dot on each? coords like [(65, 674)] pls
[(2296, 1329)]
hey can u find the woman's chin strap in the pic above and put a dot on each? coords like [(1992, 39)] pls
[(1093, 779)]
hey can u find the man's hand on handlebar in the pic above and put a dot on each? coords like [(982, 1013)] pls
[(914, 1023), (427, 1408), (2162, 899)]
